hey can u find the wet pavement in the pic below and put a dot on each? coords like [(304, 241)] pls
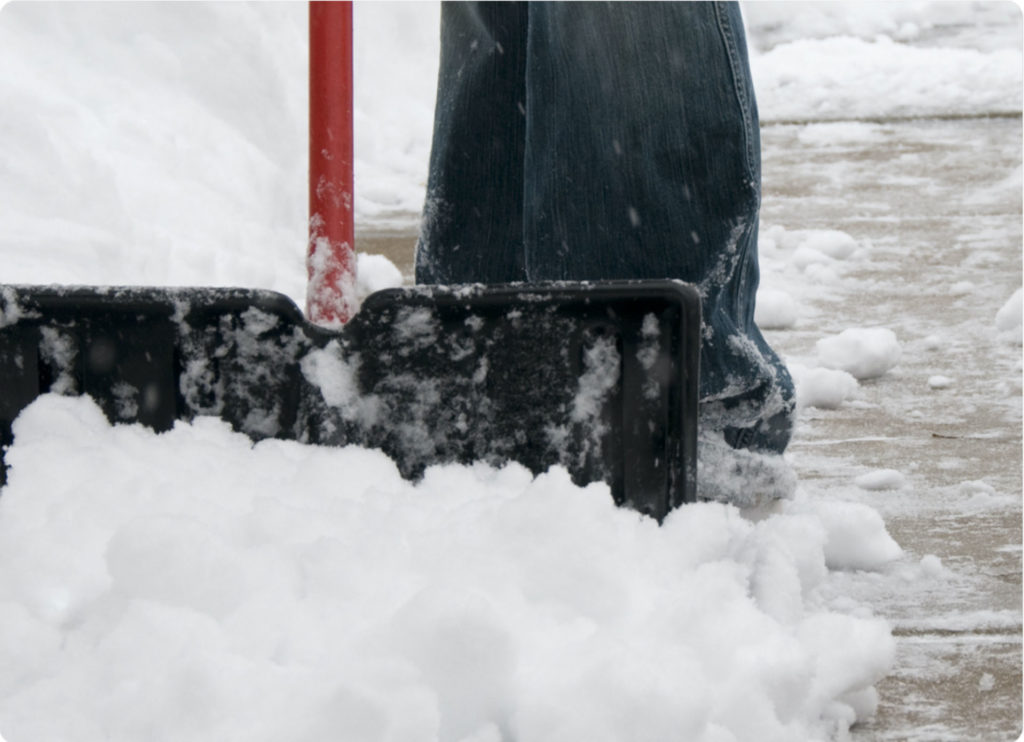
[(935, 207)]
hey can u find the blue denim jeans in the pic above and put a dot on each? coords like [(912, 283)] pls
[(586, 140)]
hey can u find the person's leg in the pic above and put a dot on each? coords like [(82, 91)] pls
[(637, 130), (642, 160), (472, 219)]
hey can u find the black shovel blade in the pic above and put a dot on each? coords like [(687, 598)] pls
[(598, 377)]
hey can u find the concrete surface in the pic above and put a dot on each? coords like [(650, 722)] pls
[(940, 204)]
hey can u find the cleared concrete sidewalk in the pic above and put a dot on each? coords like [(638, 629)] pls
[(939, 204), (936, 207)]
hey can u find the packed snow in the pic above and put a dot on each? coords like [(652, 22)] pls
[(193, 585)]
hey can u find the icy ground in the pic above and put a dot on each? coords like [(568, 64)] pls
[(194, 586)]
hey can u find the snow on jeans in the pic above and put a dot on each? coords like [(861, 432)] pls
[(585, 140)]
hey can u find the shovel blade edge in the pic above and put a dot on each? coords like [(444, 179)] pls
[(600, 378)]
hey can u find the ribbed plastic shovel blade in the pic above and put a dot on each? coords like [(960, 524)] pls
[(600, 378)]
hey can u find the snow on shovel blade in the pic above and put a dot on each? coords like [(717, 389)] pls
[(598, 377)]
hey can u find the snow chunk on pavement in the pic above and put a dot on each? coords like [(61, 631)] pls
[(856, 537), (881, 479), (931, 566), (775, 310), (1008, 320), (830, 243), (938, 381), (866, 353), (825, 388)]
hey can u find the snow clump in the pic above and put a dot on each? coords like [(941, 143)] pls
[(856, 538), (833, 244), (865, 353), (1008, 320), (881, 479), (938, 381), (775, 310), (375, 273), (824, 388), (194, 585)]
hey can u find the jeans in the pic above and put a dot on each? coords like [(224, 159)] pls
[(585, 140)]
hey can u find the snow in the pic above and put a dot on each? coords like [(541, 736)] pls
[(903, 79), (194, 585), (775, 310), (863, 70), (931, 565), (863, 352), (1008, 319), (855, 535), (375, 273), (336, 378), (10, 311), (881, 479), (938, 381), (824, 388)]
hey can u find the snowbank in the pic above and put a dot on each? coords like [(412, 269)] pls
[(165, 143), (193, 585), (904, 81)]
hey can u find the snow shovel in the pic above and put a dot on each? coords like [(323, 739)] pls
[(598, 377)]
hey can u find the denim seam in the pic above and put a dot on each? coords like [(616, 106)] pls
[(527, 138), (725, 27), (729, 39)]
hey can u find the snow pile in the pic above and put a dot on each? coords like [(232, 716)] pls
[(882, 77), (194, 586), (863, 352), (832, 243), (770, 24), (821, 255), (798, 265), (375, 273), (856, 538), (843, 360)]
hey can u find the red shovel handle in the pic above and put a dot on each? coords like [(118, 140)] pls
[(331, 260)]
